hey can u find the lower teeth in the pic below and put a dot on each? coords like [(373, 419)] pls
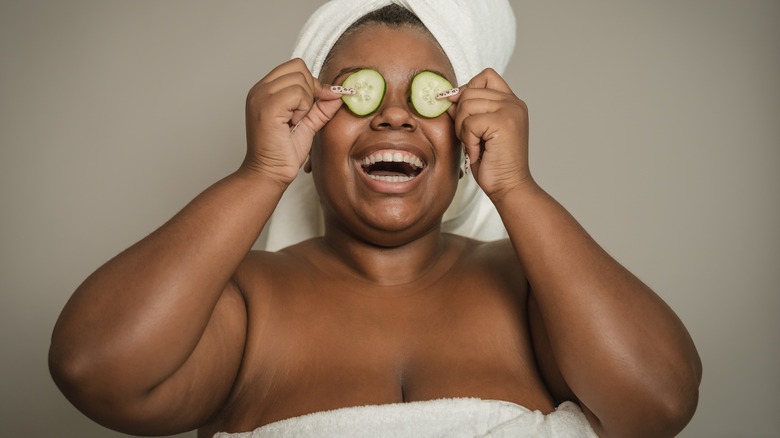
[(388, 178)]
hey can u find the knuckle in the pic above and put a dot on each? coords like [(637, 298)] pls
[(253, 100), (297, 62)]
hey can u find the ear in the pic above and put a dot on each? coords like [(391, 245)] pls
[(307, 164), (466, 166), (465, 162)]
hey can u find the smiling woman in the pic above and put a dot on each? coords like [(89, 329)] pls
[(472, 36), (386, 323), (384, 192)]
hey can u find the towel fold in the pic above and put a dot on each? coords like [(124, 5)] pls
[(475, 34), (453, 418)]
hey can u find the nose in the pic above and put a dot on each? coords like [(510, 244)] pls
[(394, 114)]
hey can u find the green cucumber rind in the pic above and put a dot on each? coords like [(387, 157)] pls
[(357, 102), (425, 86)]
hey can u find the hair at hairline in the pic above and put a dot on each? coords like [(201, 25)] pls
[(393, 16)]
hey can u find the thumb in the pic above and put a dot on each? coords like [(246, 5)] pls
[(322, 112), (453, 96), (327, 105)]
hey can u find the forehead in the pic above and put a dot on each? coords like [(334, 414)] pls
[(400, 49)]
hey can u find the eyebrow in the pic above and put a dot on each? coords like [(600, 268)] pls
[(415, 73), (346, 70)]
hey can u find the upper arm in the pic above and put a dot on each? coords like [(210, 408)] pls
[(505, 259), (548, 366), (199, 388), (545, 359)]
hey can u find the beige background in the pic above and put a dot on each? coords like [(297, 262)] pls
[(656, 123)]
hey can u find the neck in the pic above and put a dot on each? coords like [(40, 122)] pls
[(395, 265)]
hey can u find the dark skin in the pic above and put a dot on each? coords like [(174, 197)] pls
[(190, 329)]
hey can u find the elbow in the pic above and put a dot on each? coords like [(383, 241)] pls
[(99, 395), (80, 380), (676, 402), (664, 418), (673, 393), (680, 403), (676, 412), (69, 370), (93, 392), (659, 409)]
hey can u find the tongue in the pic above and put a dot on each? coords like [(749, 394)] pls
[(389, 169), (386, 173)]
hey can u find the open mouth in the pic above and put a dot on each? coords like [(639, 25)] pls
[(392, 166)]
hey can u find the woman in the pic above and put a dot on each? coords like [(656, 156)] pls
[(189, 329)]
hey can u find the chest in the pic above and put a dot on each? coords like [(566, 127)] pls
[(324, 345)]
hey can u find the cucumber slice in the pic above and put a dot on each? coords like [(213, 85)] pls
[(369, 88), (425, 86)]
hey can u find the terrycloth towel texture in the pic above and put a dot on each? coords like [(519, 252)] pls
[(452, 418), (475, 34)]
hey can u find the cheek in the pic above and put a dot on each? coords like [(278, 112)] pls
[(328, 137), (442, 134), (332, 144), (342, 128)]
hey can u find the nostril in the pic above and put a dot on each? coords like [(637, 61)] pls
[(389, 125), (392, 116)]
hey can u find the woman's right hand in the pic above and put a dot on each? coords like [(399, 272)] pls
[(283, 113)]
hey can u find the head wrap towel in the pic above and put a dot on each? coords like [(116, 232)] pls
[(474, 34)]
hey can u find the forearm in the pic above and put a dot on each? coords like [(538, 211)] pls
[(154, 299), (619, 347)]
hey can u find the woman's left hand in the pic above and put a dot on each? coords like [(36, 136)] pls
[(492, 124)]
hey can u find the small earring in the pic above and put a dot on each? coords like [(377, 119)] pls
[(466, 165)]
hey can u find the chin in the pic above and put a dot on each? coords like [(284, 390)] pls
[(391, 227)]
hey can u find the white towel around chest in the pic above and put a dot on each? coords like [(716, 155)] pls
[(452, 418)]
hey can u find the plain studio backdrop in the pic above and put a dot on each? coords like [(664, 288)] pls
[(657, 124)]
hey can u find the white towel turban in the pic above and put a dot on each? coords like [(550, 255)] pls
[(475, 34)]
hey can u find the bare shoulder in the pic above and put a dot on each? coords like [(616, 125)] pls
[(261, 270), (495, 259), (497, 251)]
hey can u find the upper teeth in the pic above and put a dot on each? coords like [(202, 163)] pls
[(392, 157)]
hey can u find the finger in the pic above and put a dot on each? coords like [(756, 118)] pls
[(452, 111), (472, 107), (453, 95), (330, 92), (292, 79), (484, 93), (472, 142), (327, 103), (321, 113), (469, 94), (295, 65), (289, 104), (489, 78), (478, 133)]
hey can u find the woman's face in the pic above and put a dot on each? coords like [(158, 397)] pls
[(361, 198)]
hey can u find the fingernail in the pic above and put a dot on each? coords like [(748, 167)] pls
[(342, 90), (448, 93)]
